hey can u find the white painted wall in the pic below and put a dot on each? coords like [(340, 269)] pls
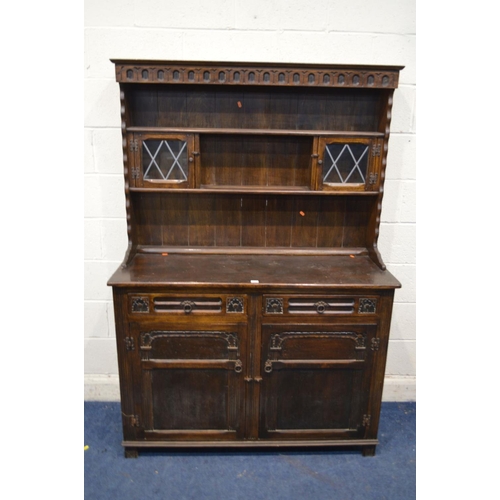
[(323, 31)]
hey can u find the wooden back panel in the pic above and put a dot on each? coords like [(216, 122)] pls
[(255, 107), (239, 220)]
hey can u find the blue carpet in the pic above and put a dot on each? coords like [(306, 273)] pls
[(256, 475)]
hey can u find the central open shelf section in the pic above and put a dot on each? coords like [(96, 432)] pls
[(255, 161)]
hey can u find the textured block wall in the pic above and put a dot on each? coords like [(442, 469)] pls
[(324, 31)]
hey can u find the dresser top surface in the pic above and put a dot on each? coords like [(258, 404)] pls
[(339, 271)]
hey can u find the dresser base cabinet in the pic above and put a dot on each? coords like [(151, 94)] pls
[(253, 307), (250, 365)]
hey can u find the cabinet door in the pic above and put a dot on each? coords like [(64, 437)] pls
[(192, 381), (349, 164), (163, 160), (316, 381)]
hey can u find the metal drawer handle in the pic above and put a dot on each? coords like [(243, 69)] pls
[(188, 306), (321, 307)]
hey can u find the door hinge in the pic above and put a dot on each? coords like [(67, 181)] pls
[(134, 419), (129, 343), (375, 344), (372, 178), (376, 150), (135, 172), (366, 420), (134, 145)]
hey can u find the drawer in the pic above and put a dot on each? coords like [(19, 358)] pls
[(315, 305), (187, 305)]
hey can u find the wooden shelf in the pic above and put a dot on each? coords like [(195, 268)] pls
[(280, 190), (252, 131), (146, 249)]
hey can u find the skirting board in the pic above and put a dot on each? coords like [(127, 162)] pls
[(106, 388)]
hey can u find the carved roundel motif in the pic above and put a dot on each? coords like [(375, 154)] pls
[(140, 304), (234, 305), (274, 306), (367, 305)]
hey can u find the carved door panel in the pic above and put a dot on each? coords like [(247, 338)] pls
[(192, 381), (316, 380)]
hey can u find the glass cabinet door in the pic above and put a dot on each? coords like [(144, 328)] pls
[(349, 164), (163, 160)]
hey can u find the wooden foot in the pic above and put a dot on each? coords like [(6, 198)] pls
[(131, 452), (369, 451)]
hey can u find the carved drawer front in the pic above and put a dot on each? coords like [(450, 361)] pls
[(185, 305), (319, 305)]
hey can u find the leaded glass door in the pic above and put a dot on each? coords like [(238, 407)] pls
[(163, 160), (350, 164)]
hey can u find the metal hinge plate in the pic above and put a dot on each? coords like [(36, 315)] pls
[(134, 419), (135, 172), (129, 343), (134, 145)]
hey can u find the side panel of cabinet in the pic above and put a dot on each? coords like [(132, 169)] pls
[(127, 369), (316, 380), (191, 380)]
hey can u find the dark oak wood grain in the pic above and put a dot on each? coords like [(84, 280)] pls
[(302, 271), (252, 307)]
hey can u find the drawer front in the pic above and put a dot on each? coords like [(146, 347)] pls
[(230, 305), (319, 305)]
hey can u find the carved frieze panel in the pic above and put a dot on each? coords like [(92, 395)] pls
[(278, 340), (224, 74), (147, 338)]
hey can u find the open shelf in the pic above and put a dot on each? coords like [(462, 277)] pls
[(353, 251), (258, 190), (208, 106), (269, 220), (252, 131)]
